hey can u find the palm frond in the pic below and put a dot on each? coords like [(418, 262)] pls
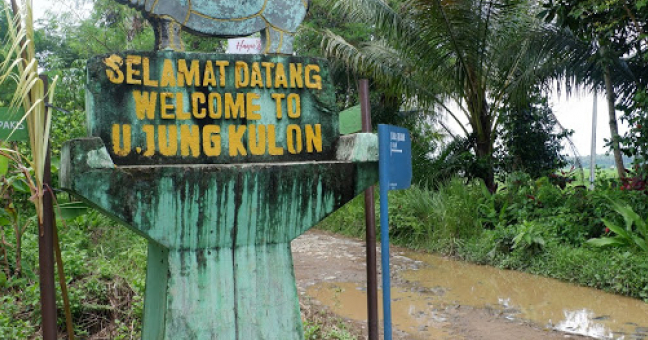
[(20, 65)]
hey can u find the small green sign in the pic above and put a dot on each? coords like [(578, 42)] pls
[(350, 120), (10, 121)]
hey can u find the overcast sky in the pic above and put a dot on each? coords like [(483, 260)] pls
[(40, 6), (576, 113), (573, 113)]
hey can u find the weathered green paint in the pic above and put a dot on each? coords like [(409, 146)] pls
[(114, 102), (155, 299), (358, 148), (219, 262), (10, 125), (277, 20)]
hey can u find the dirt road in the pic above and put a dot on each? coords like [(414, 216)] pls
[(330, 272)]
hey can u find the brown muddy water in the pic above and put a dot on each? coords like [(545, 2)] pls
[(438, 283)]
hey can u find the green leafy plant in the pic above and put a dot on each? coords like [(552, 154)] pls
[(529, 237), (13, 185), (490, 215), (633, 238)]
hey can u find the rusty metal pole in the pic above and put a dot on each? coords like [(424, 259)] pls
[(370, 222), (46, 251)]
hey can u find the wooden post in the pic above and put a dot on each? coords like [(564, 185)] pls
[(46, 250), (370, 223)]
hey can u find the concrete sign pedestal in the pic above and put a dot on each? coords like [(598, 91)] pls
[(219, 262)]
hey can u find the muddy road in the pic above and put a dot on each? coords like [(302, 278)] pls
[(330, 272)]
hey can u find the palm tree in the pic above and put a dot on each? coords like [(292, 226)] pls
[(469, 52)]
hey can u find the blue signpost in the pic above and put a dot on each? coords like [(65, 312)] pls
[(395, 169)]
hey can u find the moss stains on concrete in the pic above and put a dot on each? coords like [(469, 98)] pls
[(219, 257)]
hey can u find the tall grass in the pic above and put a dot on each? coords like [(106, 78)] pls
[(419, 217)]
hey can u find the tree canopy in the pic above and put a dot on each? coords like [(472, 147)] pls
[(475, 54)]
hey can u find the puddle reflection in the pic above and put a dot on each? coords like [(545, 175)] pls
[(582, 322)]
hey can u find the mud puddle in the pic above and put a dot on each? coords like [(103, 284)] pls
[(426, 295), (412, 313)]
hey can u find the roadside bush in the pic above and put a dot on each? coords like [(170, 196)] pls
[(454, 205), (420, 217), (411, 216)]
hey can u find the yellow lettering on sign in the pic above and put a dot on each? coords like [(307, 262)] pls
[(181, 114), (168, 139), (296, 76), (278, 97), (197, 100), (257, 141), (131, 71), (166, 106), (313, 81), (236, 146), (189, 75), (268, 71), (118, 136), (190, 140), (252, 109), (221, 70), (168, 74), (280, 77), (234, 109), (209, 77), (114, 73), (294, 105), (314, 138), (211, 140), (146, 74), (215, 100), (255, 76), (242, 74), (149, 130), (294, 144), (272, 142), (145, 104)]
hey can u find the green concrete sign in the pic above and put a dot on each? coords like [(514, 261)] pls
[(219, 161), (190, 108), (11, 127)]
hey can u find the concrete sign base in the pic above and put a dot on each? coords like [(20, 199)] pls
[(219, 263)]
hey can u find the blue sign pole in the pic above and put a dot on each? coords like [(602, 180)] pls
[(395, 169), (383, 168)]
